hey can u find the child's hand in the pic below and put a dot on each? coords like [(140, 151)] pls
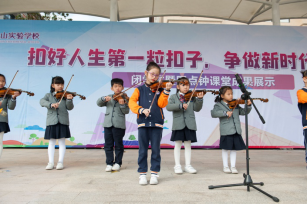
[(107, 98), (146, 112), (249, 102), (229, 113), (16, 93), (69, 96), (200, 95), (185, 106), (168, 87), (55, 105), (121, 101)]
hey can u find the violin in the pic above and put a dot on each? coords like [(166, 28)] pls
[(12, 91), (117, 97), (59, 95), (154, 86), (232, 104), (187, 96)]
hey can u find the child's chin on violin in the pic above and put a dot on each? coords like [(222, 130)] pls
[(2, 84), (117, 89), (59, 88), (228, 97)]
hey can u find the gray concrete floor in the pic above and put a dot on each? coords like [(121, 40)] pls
[(23, 178)]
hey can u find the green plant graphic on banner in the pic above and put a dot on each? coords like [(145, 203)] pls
[(33, 136), (132, 137), (72, 139)]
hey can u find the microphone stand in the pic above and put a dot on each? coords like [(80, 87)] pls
[(248, 182)]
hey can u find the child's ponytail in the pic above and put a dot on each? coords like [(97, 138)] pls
[(222, 91)]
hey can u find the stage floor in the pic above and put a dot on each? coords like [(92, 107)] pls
[(23, 178)]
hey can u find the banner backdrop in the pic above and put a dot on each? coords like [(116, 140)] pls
[(269, 59)]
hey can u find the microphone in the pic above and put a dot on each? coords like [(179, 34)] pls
[(241, 85)]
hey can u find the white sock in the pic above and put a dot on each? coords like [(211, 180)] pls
[(225, 157), (233, 155), (177, 152), (1, 142), (51, 150), (187, 152), (62, 149)]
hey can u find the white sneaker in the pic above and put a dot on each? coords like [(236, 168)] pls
[(59, 166), (190, 169), (226, 170), (234, 170), (178, 169), (49, 166), (116, 167), (108, 168), (143, 180), (154, 179)]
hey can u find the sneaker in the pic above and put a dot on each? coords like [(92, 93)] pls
[(226, 170), (108, 168), (49, 166), (154, 179), (190, 169), (116, 167), (234, 170), (59, 166), (178, 169), (143, 180)]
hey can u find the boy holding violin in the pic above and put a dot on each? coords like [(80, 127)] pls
[(114, 124)]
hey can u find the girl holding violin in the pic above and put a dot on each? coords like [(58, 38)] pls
[(147, 102), (184, 123), (114, 124), (230, 126), (57, 120), (9, 102)]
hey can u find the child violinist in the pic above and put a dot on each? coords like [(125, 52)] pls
[(9, 102), (230, 127), (114, 124), (57, 121), (150, 121), (184, 123), (302, 106)]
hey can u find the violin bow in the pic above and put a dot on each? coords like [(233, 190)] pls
[(66, 89), (156, 91), (195, 87), (9, 86), (127, 89)]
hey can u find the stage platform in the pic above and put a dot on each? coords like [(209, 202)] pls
[(23, 178)]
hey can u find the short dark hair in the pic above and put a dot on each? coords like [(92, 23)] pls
[(1, 75), (181, 80), (304, 73), (56, 80), (117, 81), (222, 91), (152, 65)]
